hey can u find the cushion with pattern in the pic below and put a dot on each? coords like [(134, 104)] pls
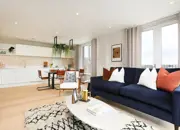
[(70, 76)]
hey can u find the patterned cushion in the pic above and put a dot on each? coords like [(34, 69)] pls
[(70, 76)]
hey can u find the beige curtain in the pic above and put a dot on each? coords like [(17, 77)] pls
[(133, 46), (94, 57), (179, 39)]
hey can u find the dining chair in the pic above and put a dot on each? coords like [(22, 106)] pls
[(43, 78), (60, 75), (81, 72)]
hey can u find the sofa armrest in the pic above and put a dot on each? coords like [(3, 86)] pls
[(95, 81), (176, 106)]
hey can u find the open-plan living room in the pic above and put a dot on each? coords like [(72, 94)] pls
[(89, 64)]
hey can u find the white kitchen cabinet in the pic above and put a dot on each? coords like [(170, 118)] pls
[(8, 76), (19, 75), (21, 49), (28, 50)]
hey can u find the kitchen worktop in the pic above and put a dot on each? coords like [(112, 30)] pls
[(28, 67), (11, 75)]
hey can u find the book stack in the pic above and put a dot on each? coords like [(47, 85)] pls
[(97, 109)]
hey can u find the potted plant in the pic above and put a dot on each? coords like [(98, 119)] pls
[(59, 48)]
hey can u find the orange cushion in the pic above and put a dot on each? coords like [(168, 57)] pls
[(168, 81), (107, 73)]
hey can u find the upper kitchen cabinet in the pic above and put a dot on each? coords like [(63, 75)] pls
[(28, 50)]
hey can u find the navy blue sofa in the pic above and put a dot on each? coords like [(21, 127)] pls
[(157, 103)]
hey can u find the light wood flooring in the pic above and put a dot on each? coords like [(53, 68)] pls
[(16, 100)]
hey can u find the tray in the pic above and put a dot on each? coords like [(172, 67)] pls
[(84, 101)]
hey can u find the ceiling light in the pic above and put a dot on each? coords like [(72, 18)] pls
[(172, 2), (56, 32), (77, 13), (16, 23), (109, 26)]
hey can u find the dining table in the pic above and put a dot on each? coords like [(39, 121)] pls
[(51, 76)]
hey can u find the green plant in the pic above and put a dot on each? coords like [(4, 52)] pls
[(59, 48)]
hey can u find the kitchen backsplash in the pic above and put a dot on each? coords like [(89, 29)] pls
[(22, 61)]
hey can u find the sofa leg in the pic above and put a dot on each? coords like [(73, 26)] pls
[(176, 127)]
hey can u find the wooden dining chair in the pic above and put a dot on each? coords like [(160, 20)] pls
[(81, 72), (60, 75), (43, 78)]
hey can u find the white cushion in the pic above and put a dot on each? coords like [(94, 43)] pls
[(148, 78), (69, 85), (117, 76)]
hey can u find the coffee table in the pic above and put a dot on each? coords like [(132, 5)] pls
[(111, 120)]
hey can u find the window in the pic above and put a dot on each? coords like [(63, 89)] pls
[(147, 48), (170, 45), (86, 52), (160, 45), (87, 58)]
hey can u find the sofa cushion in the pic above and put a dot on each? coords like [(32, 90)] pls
[(107, 73), (168, 81), (117, 75), (106, 86), (113, 87), (129, 76), (148, 78), (160, 99), (138, 74)]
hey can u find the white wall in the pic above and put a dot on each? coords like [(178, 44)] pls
[(104, 44)]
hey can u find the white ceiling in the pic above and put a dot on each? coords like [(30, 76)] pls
[(41, 19)]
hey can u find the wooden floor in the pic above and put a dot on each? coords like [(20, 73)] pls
[(15, 101)]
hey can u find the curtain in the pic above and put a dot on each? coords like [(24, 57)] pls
[(94, 57), (133, 46), (179, 39)]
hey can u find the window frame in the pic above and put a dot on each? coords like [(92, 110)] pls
[(162, 43), (157, 26)]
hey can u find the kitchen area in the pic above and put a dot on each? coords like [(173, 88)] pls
[(19, 63)]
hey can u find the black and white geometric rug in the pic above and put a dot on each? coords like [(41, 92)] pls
[(58, 117)]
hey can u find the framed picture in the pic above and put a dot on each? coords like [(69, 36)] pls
[(116, 53)]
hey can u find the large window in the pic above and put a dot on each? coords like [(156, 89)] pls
[(86, 52), (147, 48), (170, 45), (87, 58), (159, 45)]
